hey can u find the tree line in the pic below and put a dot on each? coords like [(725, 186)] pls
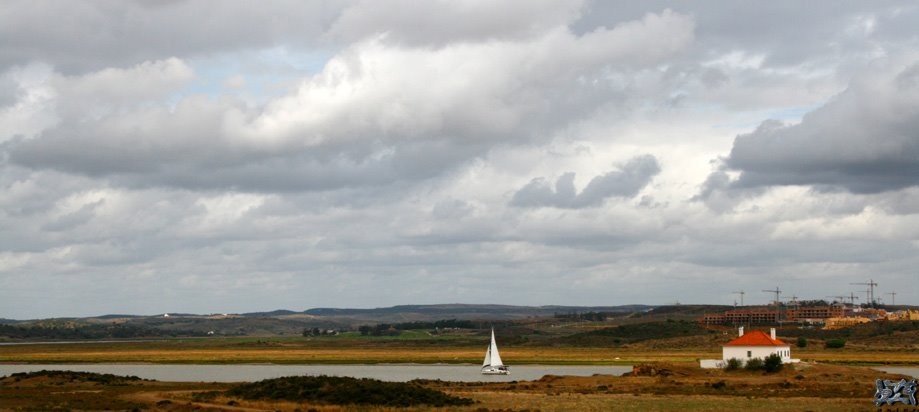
[(87, 332), (393, 329), (583, 316)]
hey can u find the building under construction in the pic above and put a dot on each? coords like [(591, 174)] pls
[(766, 315)]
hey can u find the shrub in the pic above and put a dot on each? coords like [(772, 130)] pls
[(802, 342), (773, 363), (835, 343), (335, 390), (754, 364), (732, 364)]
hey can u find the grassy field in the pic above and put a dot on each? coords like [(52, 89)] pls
[(361, 350)]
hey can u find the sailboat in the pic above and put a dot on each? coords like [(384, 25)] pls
[(493, 364)]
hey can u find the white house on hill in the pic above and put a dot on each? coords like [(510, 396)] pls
[(755, 344)]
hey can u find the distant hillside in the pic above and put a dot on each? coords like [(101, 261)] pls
[(115, 316), (632, 333), (77, 330), (289, 323), (274, 313), (414, 313), (694, 310)]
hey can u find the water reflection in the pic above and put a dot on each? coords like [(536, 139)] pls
[(386, 372)]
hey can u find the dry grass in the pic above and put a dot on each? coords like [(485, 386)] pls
[(131, 353), (639, 402)]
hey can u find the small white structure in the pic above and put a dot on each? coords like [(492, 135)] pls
[(755, 344)]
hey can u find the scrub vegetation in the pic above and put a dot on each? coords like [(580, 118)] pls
[(344, 391)]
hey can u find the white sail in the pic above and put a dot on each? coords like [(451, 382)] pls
[(493, 365), (495, 358)]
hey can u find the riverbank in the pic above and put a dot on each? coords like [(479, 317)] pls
[(659, 386), (364, 351)]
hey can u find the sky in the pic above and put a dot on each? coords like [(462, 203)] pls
[(237, 156)]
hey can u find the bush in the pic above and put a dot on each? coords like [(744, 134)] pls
[(333, 390), (802, 342), (773, 363), (835, 343), (733, 364), (754, 364)]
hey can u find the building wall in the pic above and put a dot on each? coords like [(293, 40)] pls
[(740, 352), (839, 323), (769, 315)]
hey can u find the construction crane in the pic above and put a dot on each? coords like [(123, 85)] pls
[(893, 296), (777, 292), (870, 292), (852, 298), (741, 293), (794, 301), (778, 304), (839, 298)]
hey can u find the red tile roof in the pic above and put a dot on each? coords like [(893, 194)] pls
[(755, 338)]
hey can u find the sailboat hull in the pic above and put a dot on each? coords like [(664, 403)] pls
[(496, 370)]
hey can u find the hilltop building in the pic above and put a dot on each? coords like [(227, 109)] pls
[(765, 315), (754, 344)]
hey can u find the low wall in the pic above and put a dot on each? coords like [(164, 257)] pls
[(711, 363)]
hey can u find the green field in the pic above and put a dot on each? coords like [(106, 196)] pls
[(409, 347)]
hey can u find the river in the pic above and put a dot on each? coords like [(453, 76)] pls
[(902, 370), (255, 372)]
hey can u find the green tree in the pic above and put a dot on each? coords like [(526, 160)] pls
[(754, 364), (835, 343), (733, 364), (773, 363), (802, 342)]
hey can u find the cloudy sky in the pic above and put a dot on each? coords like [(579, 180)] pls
[(214, 156)]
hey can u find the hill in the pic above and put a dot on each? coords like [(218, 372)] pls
[(413, 313), (283, 322), (634, 332)]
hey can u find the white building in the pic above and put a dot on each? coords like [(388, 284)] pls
[(755, 344)]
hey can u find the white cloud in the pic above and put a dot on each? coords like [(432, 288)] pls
[(198, 156)]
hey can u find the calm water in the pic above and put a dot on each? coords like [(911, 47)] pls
[(386, 372), (902, 370)]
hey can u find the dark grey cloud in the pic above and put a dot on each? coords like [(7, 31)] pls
[(866, 140), (394, 118), (79, 37), (629, 179), (438, 22), (787, 33)]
